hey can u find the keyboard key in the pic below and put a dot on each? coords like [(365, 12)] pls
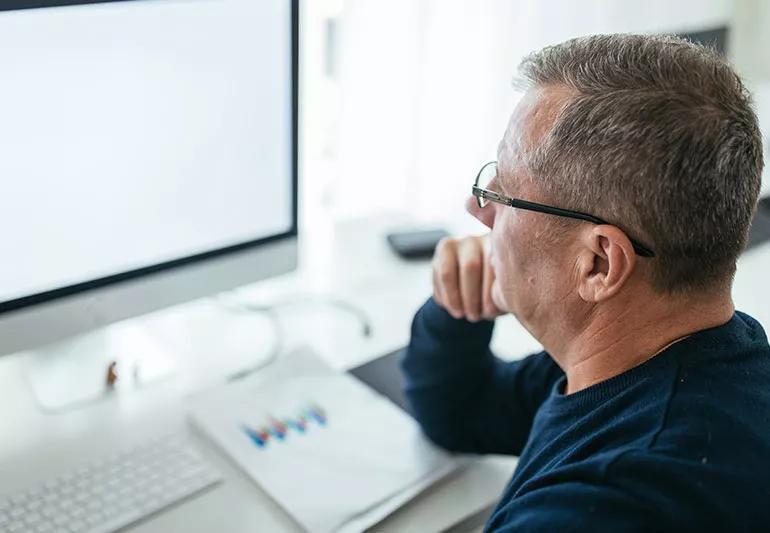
[(94, 519), (65, 504), (13, 527), (33, 503), (32, 518)]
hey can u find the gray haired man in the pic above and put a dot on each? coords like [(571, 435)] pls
[(621, 198)]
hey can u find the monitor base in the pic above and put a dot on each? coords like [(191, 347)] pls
[(95, 366)]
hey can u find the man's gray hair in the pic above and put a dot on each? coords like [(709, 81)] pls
[(658, 137)]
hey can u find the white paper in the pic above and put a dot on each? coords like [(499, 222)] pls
[(336, 455)]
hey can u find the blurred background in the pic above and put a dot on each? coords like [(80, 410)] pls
[(403, 100)]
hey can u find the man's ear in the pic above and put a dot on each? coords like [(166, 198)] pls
[(605, 262)]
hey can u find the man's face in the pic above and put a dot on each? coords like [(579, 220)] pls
[(530, 277)]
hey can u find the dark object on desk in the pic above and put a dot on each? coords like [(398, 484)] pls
[(760, 226), (716, 38), (384, 375), (416, 244)]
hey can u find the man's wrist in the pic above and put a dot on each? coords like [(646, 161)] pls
[(438, 320)]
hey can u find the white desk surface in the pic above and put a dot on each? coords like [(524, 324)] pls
[(349, 261)]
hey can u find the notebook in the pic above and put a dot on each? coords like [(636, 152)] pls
[(336, 455)]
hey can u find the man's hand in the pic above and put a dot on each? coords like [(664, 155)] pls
[(462, 278)]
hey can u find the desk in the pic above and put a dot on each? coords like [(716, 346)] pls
[(34, 446)]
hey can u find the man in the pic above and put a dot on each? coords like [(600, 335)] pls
[(620, 201)]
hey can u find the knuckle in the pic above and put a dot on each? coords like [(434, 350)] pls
[(446, 275), (470, 249), (445, 244), (473, 264)]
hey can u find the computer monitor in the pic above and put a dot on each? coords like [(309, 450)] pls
[(149, 157)]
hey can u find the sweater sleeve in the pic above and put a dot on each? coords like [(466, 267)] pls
[(465, 398)]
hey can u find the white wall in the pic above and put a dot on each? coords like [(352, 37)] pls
[(750, 42), (424, 90)]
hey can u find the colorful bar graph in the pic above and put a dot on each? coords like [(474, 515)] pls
[(279, 429)]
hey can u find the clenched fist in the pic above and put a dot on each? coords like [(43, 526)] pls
[(462, 278)]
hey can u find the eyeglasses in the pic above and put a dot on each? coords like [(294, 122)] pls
[(484, 195)]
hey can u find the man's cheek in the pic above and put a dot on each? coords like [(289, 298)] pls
[(497, 296)]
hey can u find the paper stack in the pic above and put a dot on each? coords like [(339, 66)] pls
[(336, 455)]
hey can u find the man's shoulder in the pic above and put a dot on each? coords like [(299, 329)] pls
[(720, 396), (710, 449), (718, 415), (721, 392)]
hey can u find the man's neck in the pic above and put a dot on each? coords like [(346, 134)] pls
[(611, 341)]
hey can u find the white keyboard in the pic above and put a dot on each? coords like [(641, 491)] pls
[(113, 493)]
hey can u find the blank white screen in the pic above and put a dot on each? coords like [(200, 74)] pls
[(135, 133)]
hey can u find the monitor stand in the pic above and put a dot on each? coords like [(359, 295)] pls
[(213, 342), (95, 366)]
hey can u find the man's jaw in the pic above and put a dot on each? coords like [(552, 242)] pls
[(497, 297)]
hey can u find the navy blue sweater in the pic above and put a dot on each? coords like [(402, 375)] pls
[(678, 443)]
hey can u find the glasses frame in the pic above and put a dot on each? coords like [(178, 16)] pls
[(486, 194)]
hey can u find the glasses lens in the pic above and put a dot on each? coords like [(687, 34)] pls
[(485, 180)]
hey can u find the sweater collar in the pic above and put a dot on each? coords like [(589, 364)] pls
[(736, 335)]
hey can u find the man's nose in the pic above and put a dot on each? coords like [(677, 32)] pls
[(486, 215)]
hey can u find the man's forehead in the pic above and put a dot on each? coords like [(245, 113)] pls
[(531, 121)]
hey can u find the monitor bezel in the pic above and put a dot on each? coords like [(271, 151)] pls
[(18, 5)]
